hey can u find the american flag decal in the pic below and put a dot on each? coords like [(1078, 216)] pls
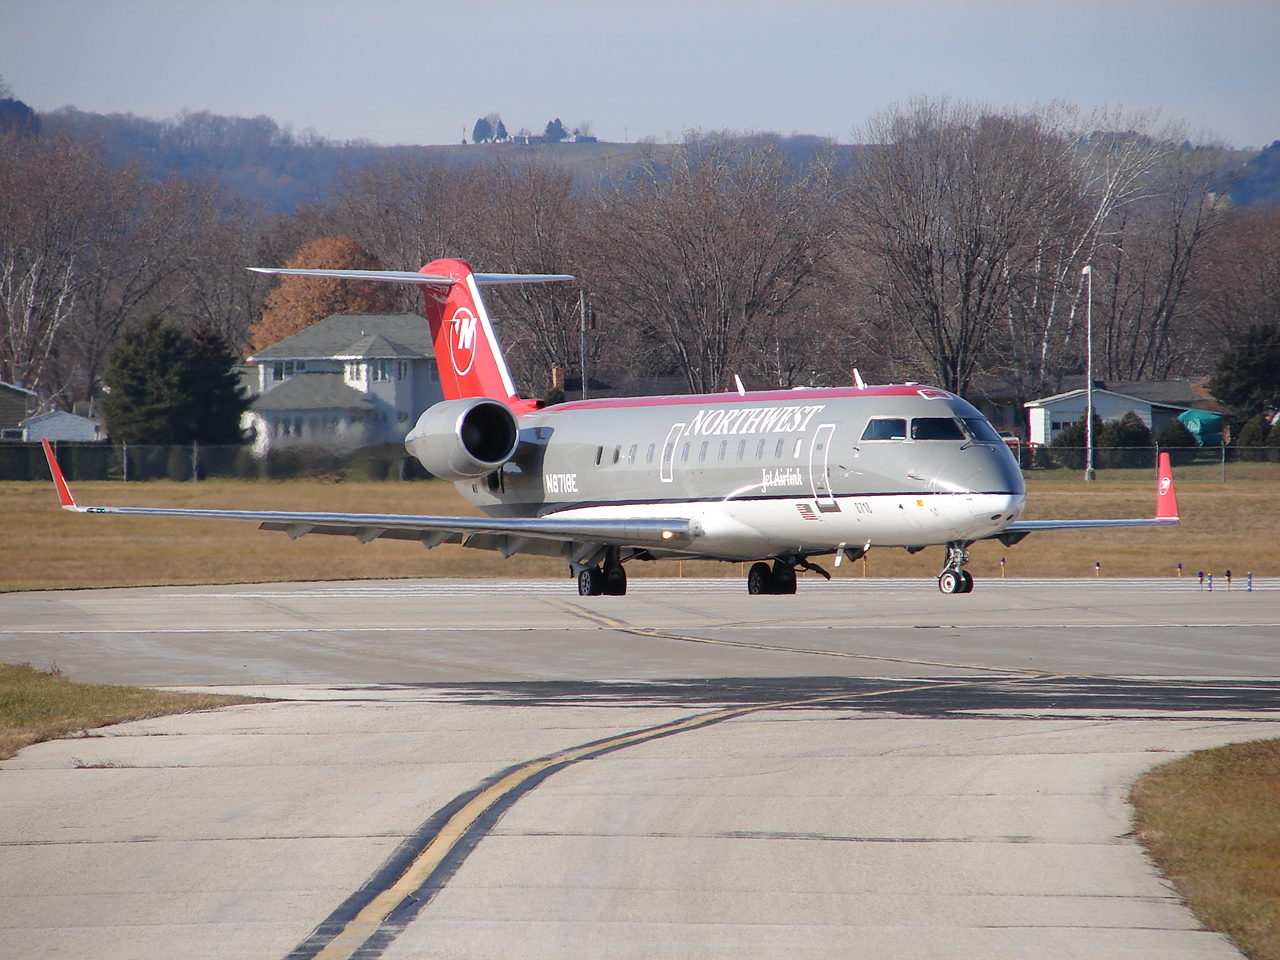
[(806, 511)]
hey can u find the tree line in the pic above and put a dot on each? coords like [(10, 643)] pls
[(948, 249)]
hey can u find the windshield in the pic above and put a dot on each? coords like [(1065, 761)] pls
[(982, 431)]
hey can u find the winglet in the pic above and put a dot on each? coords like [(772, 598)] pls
[(1166, 496), (59, 481)]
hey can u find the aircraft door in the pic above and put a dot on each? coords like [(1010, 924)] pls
[(667, 470), (819, 456)]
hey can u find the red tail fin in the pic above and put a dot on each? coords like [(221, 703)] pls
[(467, 352), (1166, 496)]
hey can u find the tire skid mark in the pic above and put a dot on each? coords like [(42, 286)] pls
[(364, 925)]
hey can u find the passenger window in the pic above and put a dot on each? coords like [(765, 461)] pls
[(936, 428), (760, 450), (684, 454), (888, 428), (599, 455), (742, 449), (777, 452), (724, 445), (795, 454), (702, 453), (617, 453), (652, 448), (631, 455)]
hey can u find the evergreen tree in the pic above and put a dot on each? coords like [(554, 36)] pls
[(1247, 376), (500, 132), (167, 387), (482, 132), (17, 116), (555, 131), (1128, 431), (1178, 441), (1253, 435)]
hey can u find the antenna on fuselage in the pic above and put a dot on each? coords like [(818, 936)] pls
[(737, 382), (857, 380)]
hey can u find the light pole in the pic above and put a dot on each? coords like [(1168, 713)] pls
[(1088, 373), (582, 336)]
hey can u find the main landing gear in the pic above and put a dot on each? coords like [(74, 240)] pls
[(609, 579), (954, 578), (775, 580)]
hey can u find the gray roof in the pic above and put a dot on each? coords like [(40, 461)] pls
[(377, 347), (335, 336), (311, 391)]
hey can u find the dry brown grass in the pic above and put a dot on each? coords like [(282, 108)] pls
[(39, 705), (1211, 821), (1232, 526)]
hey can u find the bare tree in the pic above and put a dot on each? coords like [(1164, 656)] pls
[(706, 246), (54, 197)]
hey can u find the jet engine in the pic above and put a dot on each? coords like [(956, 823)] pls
[(464, 439)]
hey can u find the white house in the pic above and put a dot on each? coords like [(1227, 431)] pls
[(60, 425), (345, 382), (1155, 403)]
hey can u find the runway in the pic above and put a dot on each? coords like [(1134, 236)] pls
[(485, 769)]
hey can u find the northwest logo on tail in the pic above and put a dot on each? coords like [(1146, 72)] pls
[(462, 340)]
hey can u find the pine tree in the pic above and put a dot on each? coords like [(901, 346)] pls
[(167, 387), (482, 132), (555, 131), (1247, 376)]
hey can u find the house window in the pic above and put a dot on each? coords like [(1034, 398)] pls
[(402, 369), (379, 371), (355, 371), (283, 369)]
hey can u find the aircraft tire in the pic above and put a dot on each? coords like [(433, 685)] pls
[(615, 580), (784, 578), (967, 585), (591, 582), (951, 581), (760, 579)]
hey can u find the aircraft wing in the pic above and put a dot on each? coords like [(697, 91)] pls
[(576, 540), (1166, 513)]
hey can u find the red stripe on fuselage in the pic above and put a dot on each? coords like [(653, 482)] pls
[(619, 403)]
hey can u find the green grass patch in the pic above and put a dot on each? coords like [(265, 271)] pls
[(1211, 821), (39, 705)]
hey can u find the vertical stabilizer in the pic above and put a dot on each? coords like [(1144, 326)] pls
[(467, 351)]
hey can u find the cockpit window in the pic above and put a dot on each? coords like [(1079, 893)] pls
[(936, 428), (889, 428), (982, 431)]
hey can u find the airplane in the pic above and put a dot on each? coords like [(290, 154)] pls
[(773, 478)]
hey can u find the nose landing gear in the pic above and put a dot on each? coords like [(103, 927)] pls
[(954, 578)]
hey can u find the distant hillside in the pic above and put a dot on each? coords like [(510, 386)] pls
[(272, 167)]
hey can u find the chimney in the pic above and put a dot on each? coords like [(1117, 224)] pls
[(557, 376)]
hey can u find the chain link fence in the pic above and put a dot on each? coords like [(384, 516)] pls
[(100, 461)]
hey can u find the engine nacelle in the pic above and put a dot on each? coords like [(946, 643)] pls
[(464, 439)]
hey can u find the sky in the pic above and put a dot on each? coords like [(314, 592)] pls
[(423, 71)]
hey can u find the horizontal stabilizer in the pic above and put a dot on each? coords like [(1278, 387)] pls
[(418, 279)]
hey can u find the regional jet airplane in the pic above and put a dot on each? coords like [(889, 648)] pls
[(774, 478)]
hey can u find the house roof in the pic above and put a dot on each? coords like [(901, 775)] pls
[(311, 391), (1070, 394), (57, 415), (375, 346), (17, 389), (335, 336)]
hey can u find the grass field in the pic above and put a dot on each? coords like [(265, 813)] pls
[(1211, 821), (1233, 526)]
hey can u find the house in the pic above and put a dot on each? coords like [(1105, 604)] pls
[(1156, 403), (16, 404), (60, 425), (346, 382)]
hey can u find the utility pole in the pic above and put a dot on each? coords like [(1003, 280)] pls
[(582, 335), (1089, 473)]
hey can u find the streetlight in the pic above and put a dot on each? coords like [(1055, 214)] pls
[(582, 334), (1088, 373)]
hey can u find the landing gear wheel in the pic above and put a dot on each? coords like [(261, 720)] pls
[(951, 581), (615, 580), (759, 579), (967, 586), (784, 578), (591, 582)]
